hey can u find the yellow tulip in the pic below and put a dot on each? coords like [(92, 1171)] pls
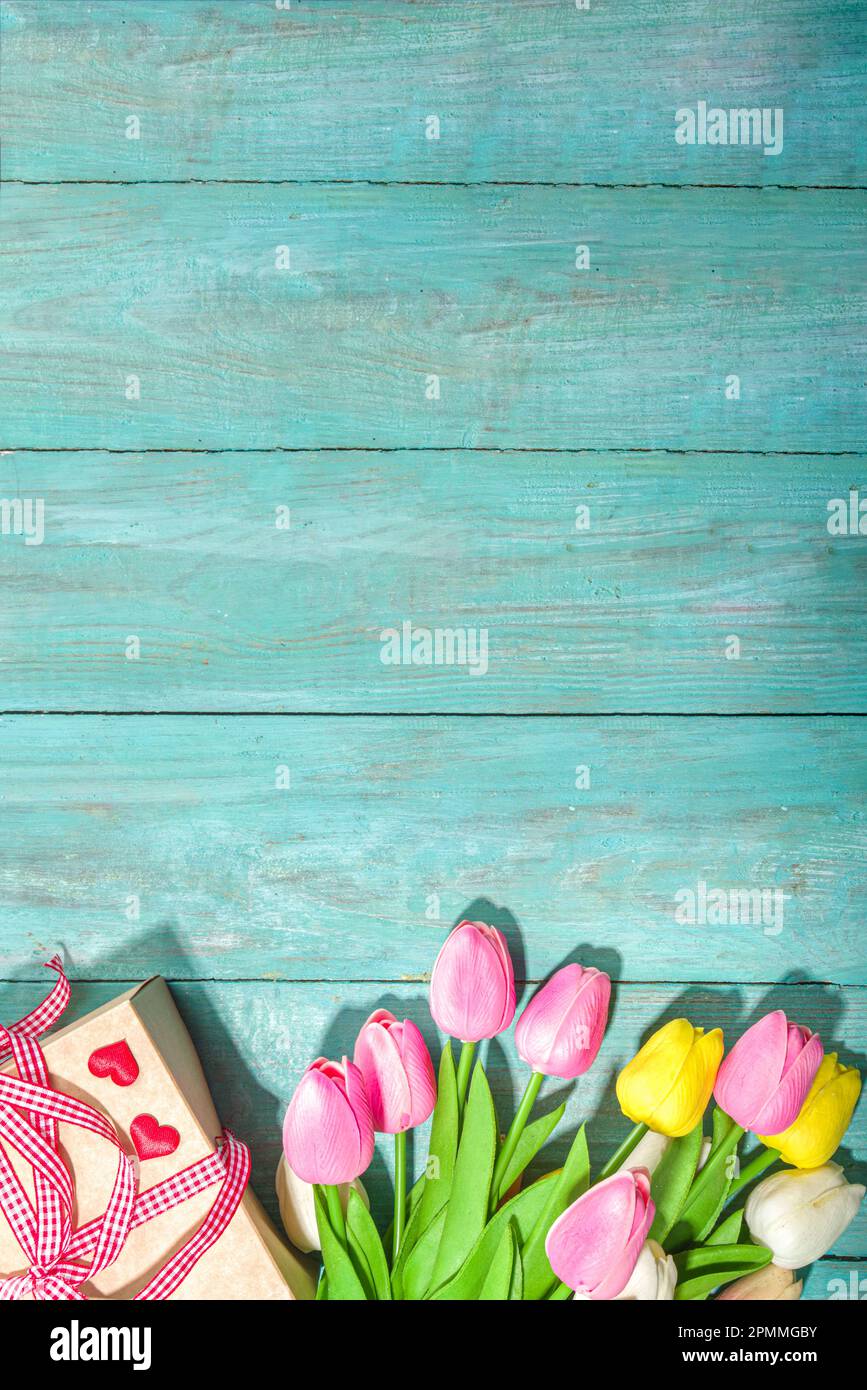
[(669, 1081), (813, 1137)]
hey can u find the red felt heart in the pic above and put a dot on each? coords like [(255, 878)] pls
[(115, 1061), (151, 1139)]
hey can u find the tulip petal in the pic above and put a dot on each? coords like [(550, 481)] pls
[(561, 1030), (648, 1152), (818, 1129), (579, 1036), (799, 1214), (500, 945), (652, 1073), (594, 1246), (680, 1110), (419, 1072), (320, 1133), (356, 1094), (377, 1054), (783, 1107), (469, 991), (752, 1071)]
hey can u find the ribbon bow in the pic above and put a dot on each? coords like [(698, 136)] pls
[(61, 1259)]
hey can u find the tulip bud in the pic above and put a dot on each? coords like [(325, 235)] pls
[(594, 1246), (764, 1080), (824, 1117), (328, 1129), (398, 1072), (648, 1152), (561, 1030), (669, 1081), (800, 1213), (298, 1209), (653, 1278), (769, 1285), (472, 987)]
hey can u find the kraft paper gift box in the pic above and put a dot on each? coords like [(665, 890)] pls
[(249, 1261)]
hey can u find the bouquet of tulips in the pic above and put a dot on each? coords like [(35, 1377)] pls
[(663, 1219)]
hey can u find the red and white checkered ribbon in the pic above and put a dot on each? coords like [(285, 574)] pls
[(61, 1259)]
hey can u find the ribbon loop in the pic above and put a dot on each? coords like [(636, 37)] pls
[(57, 1255)]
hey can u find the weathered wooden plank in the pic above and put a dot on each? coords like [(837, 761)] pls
[(157, 317), (256, 1039), (538, 91), (836, 1279), (176, 840), (188, 552)]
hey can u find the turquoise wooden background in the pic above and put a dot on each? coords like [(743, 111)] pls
[(168, 392)]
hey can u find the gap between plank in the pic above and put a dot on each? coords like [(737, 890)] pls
[(434, 449), (425, 979), (432, 183), (426, 714)]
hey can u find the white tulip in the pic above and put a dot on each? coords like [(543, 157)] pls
[(647, 1152), (651, 1147), (653, 1278), (799, 1213), (298, 1210)]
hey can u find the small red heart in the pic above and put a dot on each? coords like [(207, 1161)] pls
[(116, 1061), (151, 1139)]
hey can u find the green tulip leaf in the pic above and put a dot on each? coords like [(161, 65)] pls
[(417, 1271), (529, 1144), (516, 1288), (498, 1280), (365, 1247), (411, 1234), (572, 1180), (467, 1210), (728, 1232), (413, 1198), (700, 1214), (344, 1283), (671, 1181), (708, 1267), (521, 1213), (430, 1192), (443, 1147)]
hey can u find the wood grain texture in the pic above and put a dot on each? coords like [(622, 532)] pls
[(177, 286), (835, 1279), (256, 1040), (234, 612), (186, 821), (536, 91), (285, 913)]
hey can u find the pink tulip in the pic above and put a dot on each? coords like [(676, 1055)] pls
[(472, 987), (594, 1246), (764, 1080), (398, 1072), (561, 1030), (328, 1130)]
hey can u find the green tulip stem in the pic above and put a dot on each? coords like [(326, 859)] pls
[(335, 1212), (756, 1166), (516, 1129), (465, 1066), (399, 1194), (633, 1138), (716, 1158)]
